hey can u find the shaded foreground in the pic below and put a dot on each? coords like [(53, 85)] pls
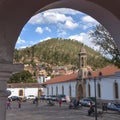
[(30, 111)]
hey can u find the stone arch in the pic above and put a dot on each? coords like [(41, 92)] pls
[(19, 15)]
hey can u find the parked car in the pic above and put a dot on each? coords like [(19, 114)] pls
[(114, 106), (47, 97), (53, 97), (30, 97), (14, 98), (86, 102), (62, 97), (42, 97)]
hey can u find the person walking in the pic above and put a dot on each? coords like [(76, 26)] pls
[(91, 109), (9, 104), (19, 104), (36, 101), (60, 102)]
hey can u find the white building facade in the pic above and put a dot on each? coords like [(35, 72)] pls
[(107, 85), (24, 89), (64, 88)]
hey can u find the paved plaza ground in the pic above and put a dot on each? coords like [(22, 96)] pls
[(30, 111)]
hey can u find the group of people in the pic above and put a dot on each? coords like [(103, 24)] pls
[(8, 104), (74, 104)]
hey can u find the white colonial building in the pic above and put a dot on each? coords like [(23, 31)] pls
[(107, 81), (84, 83), (25, 89)]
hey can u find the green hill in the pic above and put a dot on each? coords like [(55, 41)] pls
[(60, 52)]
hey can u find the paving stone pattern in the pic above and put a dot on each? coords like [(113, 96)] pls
[(30, 111)]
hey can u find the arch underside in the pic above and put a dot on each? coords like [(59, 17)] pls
[(15, 14)]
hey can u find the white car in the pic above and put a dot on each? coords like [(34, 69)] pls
[(30, 97), (86, 102)]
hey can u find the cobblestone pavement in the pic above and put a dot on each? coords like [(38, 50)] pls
[(30, 111)]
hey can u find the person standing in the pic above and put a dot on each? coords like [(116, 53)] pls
[(60, 102), (91, 109), (9, 104), (36, 101), (19, 103)]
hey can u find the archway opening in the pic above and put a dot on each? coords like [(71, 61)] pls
[(80, 92)]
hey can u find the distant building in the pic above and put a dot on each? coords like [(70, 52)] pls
[(25, 89)]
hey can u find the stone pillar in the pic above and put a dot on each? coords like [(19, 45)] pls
[(4, 76), (6, 71)]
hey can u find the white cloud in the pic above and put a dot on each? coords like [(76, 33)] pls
[(68, 25), (49, 17), (45, 39), (88, 22), (88, 19), (20, 44), (85, 39), (39, 30), (20, 41), (61, 32), (48, 29)]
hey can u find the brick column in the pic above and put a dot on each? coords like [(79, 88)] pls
[(6, 71)]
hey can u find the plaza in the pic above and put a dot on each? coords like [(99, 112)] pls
[(30, 111)]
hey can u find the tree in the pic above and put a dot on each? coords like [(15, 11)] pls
[(101, 38), (24, 76)]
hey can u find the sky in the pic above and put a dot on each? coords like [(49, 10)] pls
[(57, 23)]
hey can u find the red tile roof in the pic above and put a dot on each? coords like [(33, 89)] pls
[(106, 71), (64, 78)]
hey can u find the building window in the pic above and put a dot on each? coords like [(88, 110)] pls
[(99, 90), (51, 90), (70, 91), (62, 90), (56, 90), (47, 91), (82, 61), (116, 90), (20, 92), (89, 90)]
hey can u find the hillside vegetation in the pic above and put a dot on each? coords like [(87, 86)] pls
[(58, 52)]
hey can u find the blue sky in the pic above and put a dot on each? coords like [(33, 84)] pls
[(57, 23)]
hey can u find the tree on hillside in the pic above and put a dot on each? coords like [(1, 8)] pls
[(24, 77), (101, 37)]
